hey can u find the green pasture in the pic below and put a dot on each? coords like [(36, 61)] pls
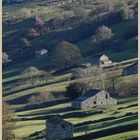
[(27, 127)]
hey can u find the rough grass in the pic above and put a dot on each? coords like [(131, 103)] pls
[(19, 98), (25, 128)]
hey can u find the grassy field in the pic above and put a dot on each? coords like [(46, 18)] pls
[(16, 92), (24, 128)]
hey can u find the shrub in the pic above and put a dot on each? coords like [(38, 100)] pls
[(41, 98), (74, 90)]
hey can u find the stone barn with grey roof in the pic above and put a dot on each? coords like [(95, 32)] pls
[(104, 60), (58, 129), (93, 98)]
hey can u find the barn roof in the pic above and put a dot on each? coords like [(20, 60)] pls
[(88, 94), (42, 49), (57, 120), (103, 58)]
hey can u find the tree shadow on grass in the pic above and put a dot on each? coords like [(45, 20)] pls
[(46, 104), (20, 100), (49, 112)]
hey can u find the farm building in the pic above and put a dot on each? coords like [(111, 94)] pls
[(104, 60), (93, 98), (132, 69), (58, 129), (41, 53)]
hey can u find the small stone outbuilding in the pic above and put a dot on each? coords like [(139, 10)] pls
[(104, 60), (58, 129), (41, 53), (132, 69), (93, 98)]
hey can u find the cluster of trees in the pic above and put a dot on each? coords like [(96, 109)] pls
[(86, 78), (94, 77), (124, 88)]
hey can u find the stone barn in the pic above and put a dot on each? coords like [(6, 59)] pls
[(41, 53), (93, 98), (58, 129), (132, 69), (104, 60)]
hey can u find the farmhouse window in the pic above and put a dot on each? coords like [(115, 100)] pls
[(106, 96)]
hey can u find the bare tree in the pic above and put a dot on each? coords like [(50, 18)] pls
[(32, 75), (86, 75), (41, 98), (45, 76), (85, 72), (103, 34), (7, 124), (35, 77), (111, 80), (125, 88)]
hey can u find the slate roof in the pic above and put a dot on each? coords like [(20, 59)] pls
[(104, 58), (57, 120), (88, 94)]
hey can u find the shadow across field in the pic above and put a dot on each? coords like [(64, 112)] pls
[(65, 116), (46, 104), (129, 106), (106, 132), (49, 112), (20, 100), (103, 119)]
